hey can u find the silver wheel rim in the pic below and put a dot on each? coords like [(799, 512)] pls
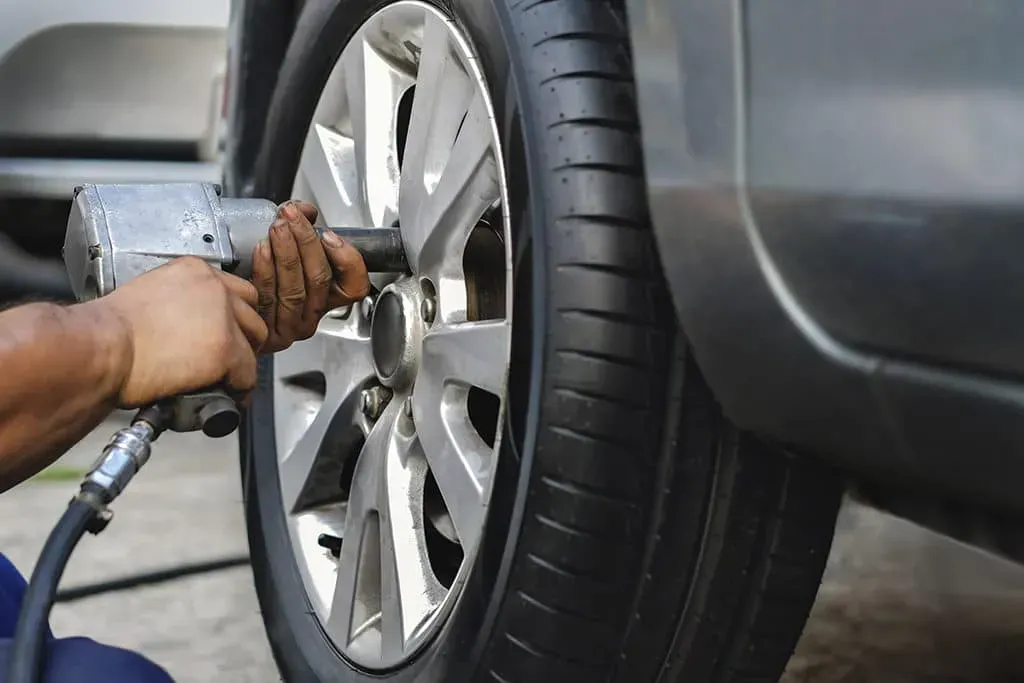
[(421, 470)]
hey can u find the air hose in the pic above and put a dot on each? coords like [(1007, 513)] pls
[(26, 662), (122, 458)]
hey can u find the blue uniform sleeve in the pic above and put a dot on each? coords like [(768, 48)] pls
[(12, 592), (70, 660), (81, 660)]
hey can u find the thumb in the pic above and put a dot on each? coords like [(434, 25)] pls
[(349, 269)]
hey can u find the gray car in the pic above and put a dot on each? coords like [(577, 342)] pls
[(109, 91), (681, 270)]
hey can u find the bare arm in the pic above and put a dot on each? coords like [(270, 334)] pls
[(61, 371), (177, 328)]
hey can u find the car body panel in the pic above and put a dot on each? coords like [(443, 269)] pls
[(116, 82), (834, 188), (110, 68), (884, 135)]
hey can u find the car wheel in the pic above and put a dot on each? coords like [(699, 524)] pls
[(505, 466)]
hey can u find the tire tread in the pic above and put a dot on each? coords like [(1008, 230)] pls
[(613, 335)]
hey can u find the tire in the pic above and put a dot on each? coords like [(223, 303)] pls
[(634, 535)]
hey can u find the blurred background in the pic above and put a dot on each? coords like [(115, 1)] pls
[(99, 91), (116, 91)]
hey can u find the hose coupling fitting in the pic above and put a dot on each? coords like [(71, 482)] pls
[(125, 454)]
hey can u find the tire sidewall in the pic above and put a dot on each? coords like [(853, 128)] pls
[(301, 648)]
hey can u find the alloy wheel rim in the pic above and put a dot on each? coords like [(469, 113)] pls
[(388, 420)]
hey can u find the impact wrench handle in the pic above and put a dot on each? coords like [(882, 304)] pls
[(210, 410)]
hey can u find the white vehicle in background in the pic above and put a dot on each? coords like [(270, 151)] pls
[(102, 91), (109, 91)]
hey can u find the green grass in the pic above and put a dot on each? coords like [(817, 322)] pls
[(59, 473)]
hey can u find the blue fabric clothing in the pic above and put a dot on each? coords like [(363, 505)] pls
[(70, 660), (12, 592)]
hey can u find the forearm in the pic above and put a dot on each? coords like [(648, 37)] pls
[(61, 369)]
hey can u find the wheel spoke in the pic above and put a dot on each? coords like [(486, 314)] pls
[(409, 590), (301, 358), (328, 169), (356, 602), (310, 464), (473, 354), (303, 459), (443, 93), (449, 177), (458, 459), (347, 359), (455, 358), (468, 186), (373, 88), (469, 183), (385, 582)]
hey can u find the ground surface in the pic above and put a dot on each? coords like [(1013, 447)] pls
[(898, 605)]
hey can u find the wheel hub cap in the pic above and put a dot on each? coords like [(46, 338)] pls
[(396, 333)]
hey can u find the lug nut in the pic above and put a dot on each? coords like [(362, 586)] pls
[(366, 307), (428, 309), (373, 400)]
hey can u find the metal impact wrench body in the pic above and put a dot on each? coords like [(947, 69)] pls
[(118, 232)]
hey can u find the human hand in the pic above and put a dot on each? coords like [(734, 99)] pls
[(293, 273), (188, 326)]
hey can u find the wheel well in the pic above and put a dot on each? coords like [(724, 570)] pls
[(259, 36)]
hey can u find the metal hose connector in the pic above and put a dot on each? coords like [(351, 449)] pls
[(124, 455)]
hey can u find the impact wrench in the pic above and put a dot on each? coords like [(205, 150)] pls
[(116, 233)]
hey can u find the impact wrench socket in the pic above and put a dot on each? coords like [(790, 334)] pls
[(118, 232)]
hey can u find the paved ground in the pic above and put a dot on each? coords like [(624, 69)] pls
[(902, 605), (185, 506), (898, 604)]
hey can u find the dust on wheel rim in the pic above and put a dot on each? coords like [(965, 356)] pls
[(392, 448)]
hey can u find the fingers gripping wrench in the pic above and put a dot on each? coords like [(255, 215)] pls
[(118, 232)]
